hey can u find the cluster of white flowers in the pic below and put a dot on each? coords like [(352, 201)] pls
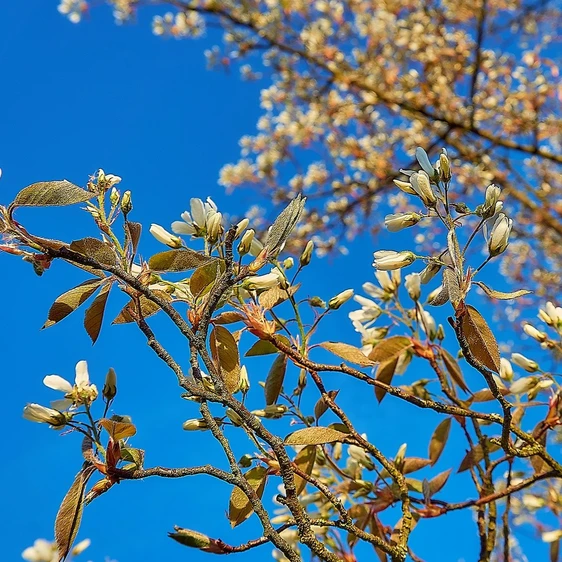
[(73, 9), (181, 24), (45, 551)]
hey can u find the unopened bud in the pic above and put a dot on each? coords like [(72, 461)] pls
[(214, 227), (288, 263), (190, 538), (444, 166), (388, 260), (431, 270), (317, 302), (527, 364), (405, 186), (413, 285), (499, 236), (196, 424), (42, 414), (162, 235), (114, 197), (234, 417), (259, 282), (335, 302), (243, 380), (531, 331), (506, 370), (397, 222), (126, 203), (245, 461), (489, 208), (360, 455), (246, 242), (440, 332), (306, 255), (110, 386), (422, 186)]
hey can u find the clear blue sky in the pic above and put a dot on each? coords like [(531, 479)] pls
[(79, 97)]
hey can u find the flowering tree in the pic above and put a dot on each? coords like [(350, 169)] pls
[(354, 88), (331, 503)]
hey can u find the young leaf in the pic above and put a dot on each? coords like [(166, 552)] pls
[(452, 366), (389, 348), (385, 372), (133, 230), (68, 302), (224, 350), (118, 429), (480, 339), (475, 455), (130, 454), (181, 259), (228, 317), (413, 464), (261, 347), (315, 436), (240, 508), (275, 378), (95, 249), (274, 296), (493, 294), (321, 407), (205, 277), (51, 193), (284, 225), (94, 314), (439, 440), (69, 515), (437, 483), (348, 352), (305, 461)]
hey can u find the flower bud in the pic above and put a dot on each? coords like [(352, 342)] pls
[(114, 197), (551, 315), (190, 538), (246, 242), (527, 364), (532, 332), (492, 195), (234, 417), (506, 370), (523, 385), (387, 260), (360, 455), (422, 187), (245, 461), (126, 203), (413, 285), (397, 222), (243, 380), (385, 281), (288, 263), (258, 282), (162, 235), (306, 255), (317, 302), (444, 166), (42, 414), (195, 424), (440, 333), (214, 227), (428, 325), (335, 302), (110, 386), (499, 236), (81, 547), (241, 227)]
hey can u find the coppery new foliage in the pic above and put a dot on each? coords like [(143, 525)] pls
[(355, 85), (337, 488)]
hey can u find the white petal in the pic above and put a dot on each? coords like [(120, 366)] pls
[(57, 383), (198, 211), (82, 377), (61, 404), (180, 227), (31, 555), (185, 216)]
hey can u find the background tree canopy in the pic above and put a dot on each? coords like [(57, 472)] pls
[(347, 92)]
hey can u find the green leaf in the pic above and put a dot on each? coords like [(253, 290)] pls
[(320, 408), (56, 193), (130, 454), (493, 294), (389, 348), (261, 347), (69, 515), (385, 372), (315, 436), (224, 350), (480, 339), (240, 507), (95, 249), (181, 259), (305, 461), (284, 225), (348, 352), (439, 440), (68, 302), (475, 455), (275, 378), (453, 368), (94, 313), (437, 483), (413, 464), (118, 429), (205, 277)]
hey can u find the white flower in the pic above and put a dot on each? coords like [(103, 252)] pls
[(428, 325), (82, 392), (41, 551), (81, 547), (499, 236), (162, 235), (551, 315), (422, 187), (196, 222), (42, 414), (405, 186), (531, 331), (506, 370), (413, 285), (388, 259), (258, 282)]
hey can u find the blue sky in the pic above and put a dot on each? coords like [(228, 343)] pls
[(77, 98)]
